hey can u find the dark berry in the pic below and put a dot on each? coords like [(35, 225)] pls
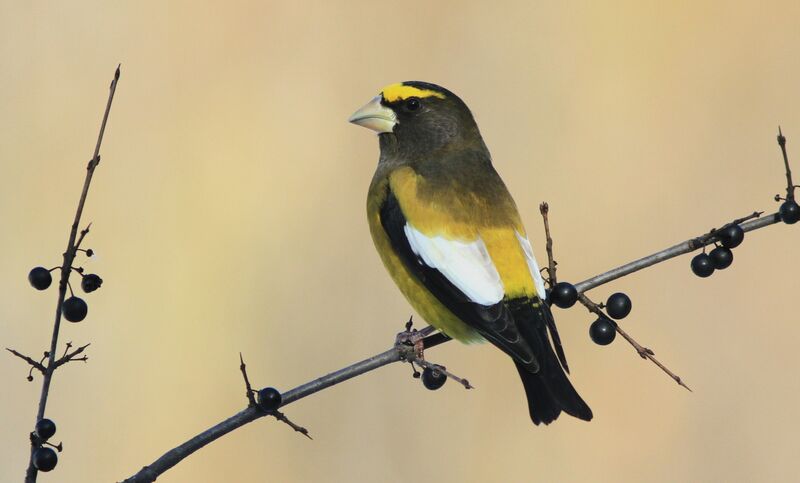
[(702, 266), (564, 295), (619, 305), (433, 379), (603, 331), (45, 429), (40, 278), (74, 309), (44, 459), (91, 282), (721, 257), (731, 236), (790, 212), (89, 252), (269, 399)]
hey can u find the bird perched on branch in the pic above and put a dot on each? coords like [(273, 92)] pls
[(450, 236)]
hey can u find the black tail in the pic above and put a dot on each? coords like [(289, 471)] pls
[(549, 394), (549, 390)]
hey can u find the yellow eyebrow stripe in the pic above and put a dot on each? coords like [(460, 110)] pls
[(398, 92)]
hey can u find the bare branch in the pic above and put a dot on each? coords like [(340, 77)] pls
[(66, 268), (687, 246), (174, 456)]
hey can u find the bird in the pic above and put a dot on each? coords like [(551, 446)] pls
[(451, 237)]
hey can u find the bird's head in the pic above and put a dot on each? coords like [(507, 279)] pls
[(418, 116)]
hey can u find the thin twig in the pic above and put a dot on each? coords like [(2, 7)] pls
[(789, 184), (643, 352), (36, 365), (544, 209), (83, 234), (69, 256), (71, 356), (282, 417), (248, 388)]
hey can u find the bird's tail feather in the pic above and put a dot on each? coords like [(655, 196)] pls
[(549, 394), (549, 390)]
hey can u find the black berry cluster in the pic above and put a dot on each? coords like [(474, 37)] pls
[(721, 257), (44, 458), (74, 308), (604, 329)]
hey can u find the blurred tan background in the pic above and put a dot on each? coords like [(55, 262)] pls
[(228, 216)]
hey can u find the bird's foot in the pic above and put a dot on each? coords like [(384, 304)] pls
[(410, 341)]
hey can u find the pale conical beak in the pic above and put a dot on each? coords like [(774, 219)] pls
[(375, 116)]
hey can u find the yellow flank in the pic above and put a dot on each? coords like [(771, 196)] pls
[(464, 217), (425, 303), (397, 92)]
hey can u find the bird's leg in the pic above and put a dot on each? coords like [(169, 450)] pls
[(411, 346)]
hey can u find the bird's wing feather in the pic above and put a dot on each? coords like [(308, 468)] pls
[(546, 315), (462, 277), (467, 265)]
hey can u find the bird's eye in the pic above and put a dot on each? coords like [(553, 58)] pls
[(412, 104)]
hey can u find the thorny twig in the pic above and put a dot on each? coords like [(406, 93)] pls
[(644, 352), (253, 404)]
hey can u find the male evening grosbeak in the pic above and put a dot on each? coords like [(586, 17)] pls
[(450, 236)]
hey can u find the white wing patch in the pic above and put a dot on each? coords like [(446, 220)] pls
[(532, 265), (467, 265)]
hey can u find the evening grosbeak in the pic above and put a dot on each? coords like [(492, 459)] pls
[(450, 236)]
